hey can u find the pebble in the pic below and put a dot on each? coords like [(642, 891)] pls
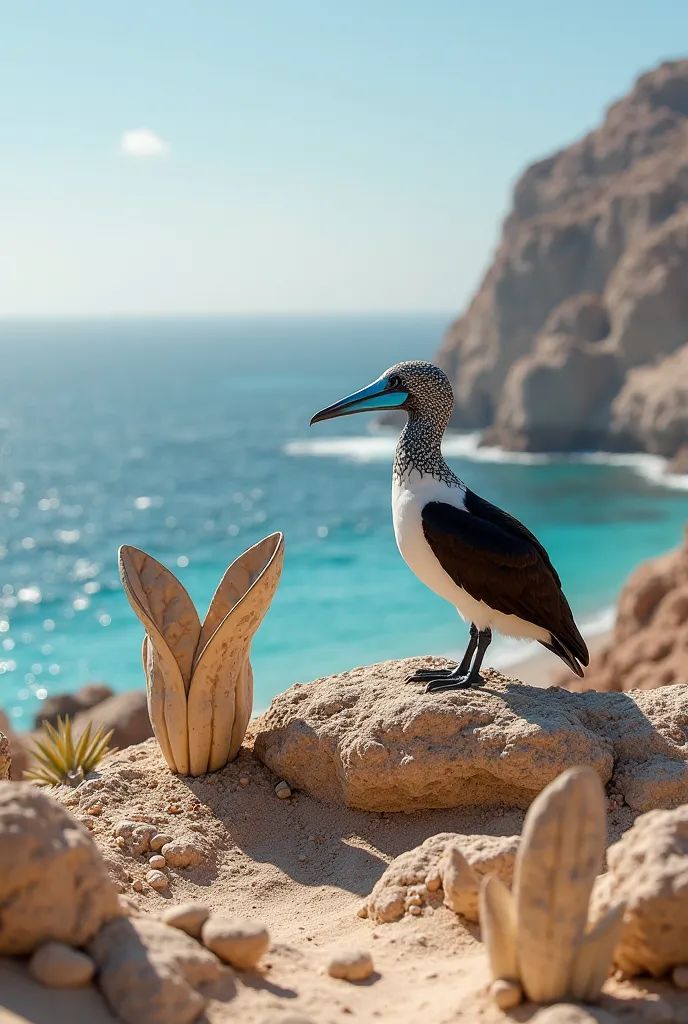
[(95, 810), (283, 790), (120, 841), (244, 781), (679, 976), (351, 965), (189, 917), (60, 966), (137, 885), (506, 994), (159, 840), (432, 883), (181, 854), (415, 910), (88, 822), (157, 861), (236, 941), (157, 880), (363, 910), (174, 809)]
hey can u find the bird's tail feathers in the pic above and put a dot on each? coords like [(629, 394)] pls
[(558, 647)]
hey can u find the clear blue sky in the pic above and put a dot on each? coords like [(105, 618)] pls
[(322, 155)]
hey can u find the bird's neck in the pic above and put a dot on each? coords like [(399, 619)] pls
[(419, 449)]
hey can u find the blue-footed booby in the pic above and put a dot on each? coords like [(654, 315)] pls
[(483, 561)]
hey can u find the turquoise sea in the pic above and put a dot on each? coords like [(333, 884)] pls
[(190, 439)]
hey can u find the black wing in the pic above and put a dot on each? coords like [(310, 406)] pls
[(497, 560)]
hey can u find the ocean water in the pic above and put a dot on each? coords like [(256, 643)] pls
[(190, 439)]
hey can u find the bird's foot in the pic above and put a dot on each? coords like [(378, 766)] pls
[(442, 684), (424, 675)]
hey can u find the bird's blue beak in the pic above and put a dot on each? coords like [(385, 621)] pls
[(378, 395)]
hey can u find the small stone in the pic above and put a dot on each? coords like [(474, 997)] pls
[(505, 993), (137, 885), (159, 840), (351, 965), (244, 781), (432, 883), (181, 854), (415, 910), (88, 822), (95, 810), (189, 917), (157, 880), (157, 861), (141, 836), (363, 910), (237, 941), (173, 809), (60, 966), (120, 841), (283, 790), (679, 976)]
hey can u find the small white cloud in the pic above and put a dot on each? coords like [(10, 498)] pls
[(142, 142)]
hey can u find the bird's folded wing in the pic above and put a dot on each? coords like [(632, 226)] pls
[(501, 567)]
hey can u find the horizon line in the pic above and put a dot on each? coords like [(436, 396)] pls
[(246, 315)]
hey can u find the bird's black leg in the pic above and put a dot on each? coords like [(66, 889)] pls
[(425, 675), (472, 677)]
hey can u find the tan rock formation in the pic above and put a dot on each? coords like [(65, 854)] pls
[(53, 883), (587, 283), (426, 875), (649, 644), (371, 740), (648, 871)]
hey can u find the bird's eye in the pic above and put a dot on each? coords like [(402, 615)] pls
[(394, 381)]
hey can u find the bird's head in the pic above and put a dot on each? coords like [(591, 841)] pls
[(418, 387)]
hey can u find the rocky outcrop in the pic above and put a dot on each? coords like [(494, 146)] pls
[(649, 644), (587, 284), (125, 713), (54, 885), (371, 740), (426, 875), (648, 871)]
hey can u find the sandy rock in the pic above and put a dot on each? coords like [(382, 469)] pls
[(648, 869), (190, 917), (19, 756), (59, 966), (236, 941), (149, 972), (126, 713), (568, 1013), (649, 645), (5, 758), (506, 994), (137, 835), (159, 840), (373, 741), (428, 865), (54, 884), (157, 880), (157, 862), (183, 853), (351, 965)]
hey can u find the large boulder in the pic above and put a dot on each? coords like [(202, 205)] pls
[(649, 645), (126, 713), (648, 871), (149, 972), (71, 704), (373, 741), (53, 884), (651, 410)]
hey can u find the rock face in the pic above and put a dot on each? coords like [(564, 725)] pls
[(587, 285), (648, 870), (372, 740), (649, 646), (53, 883), (414, 875), (126, 713), (149, 972)]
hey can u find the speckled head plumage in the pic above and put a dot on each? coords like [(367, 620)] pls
[(424, 392)]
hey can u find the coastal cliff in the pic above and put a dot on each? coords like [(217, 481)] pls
[(577, 337)]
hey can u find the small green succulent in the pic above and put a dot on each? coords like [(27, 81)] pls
[(61, 761)]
